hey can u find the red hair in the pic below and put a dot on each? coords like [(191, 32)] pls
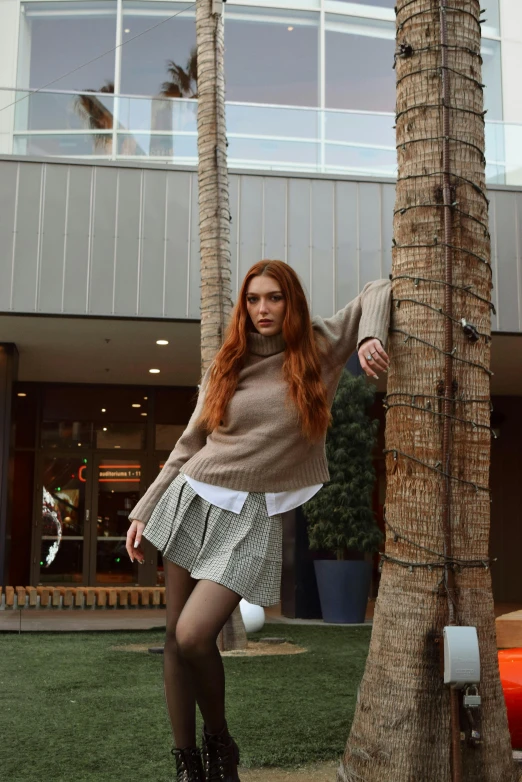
[(301, 367)]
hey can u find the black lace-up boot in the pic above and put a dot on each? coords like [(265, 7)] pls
[(220, 756), (189, 765)]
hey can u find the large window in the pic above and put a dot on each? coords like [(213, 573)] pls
[(57, 37), (162, 61), (272, 56), (359, 64)]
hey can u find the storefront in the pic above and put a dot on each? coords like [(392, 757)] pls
[(83, 454)]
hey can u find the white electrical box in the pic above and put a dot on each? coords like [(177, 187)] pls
[(461, 656)]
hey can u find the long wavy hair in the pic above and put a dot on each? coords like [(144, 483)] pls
[(301, 367)]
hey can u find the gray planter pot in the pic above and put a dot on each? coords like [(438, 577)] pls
[(343, 587)]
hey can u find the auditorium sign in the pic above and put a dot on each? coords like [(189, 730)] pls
[(114, 473), (119, 474)]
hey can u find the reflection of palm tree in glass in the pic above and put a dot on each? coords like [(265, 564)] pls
[(182, 83), (51, 526), (97, 116)]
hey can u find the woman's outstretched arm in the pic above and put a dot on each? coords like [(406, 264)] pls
[(368, 315)]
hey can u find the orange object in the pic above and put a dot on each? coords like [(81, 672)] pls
[(510, 663)]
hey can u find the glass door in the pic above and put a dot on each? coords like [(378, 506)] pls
[(82, 508), (62, 515), (116, 490)]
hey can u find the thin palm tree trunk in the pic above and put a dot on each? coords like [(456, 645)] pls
[(437, 431), (214, 214)]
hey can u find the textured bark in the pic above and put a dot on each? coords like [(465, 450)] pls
[(214, 216), (214, 212), (401, 728)]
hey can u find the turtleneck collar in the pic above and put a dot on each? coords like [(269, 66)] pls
[(260, 345)]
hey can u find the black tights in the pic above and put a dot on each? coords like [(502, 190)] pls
[(192, 665)]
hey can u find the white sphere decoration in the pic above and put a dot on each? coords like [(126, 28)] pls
[(253, 616)]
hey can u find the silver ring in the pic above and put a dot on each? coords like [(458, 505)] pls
[(369, 357)]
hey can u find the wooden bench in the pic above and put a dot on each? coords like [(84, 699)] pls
[(65, 597)]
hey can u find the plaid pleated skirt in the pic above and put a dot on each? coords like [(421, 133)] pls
[(242, 551)]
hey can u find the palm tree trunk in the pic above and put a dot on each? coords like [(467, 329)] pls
[(402, 729), (214, 214)]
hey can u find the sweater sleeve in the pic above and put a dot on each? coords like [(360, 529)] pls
[(368, 315), (190, 442)]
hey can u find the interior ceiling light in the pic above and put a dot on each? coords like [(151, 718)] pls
[(145, 397), (154, 371), (290, 29), (144, 413), (162, 342), (137, 404), (117, 446), (21, 393), (103, 410), (127, 30), (104, 428)]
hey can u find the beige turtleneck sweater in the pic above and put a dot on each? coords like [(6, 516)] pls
[(259, 447)]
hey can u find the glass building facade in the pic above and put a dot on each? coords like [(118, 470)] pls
[(310, 85)]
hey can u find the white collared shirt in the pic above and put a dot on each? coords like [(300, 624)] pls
[(233, 500)]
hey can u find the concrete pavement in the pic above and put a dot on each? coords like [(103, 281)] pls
[(110, 619)]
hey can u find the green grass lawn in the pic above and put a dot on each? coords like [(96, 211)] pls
[(72, 708)]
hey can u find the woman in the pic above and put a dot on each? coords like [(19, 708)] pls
[(253, 448)]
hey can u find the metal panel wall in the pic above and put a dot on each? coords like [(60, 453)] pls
[(119, 240)]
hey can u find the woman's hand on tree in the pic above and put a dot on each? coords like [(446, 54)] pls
[(379, 358), (133, 545)]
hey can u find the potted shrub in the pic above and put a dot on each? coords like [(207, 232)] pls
[(340, 518)]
